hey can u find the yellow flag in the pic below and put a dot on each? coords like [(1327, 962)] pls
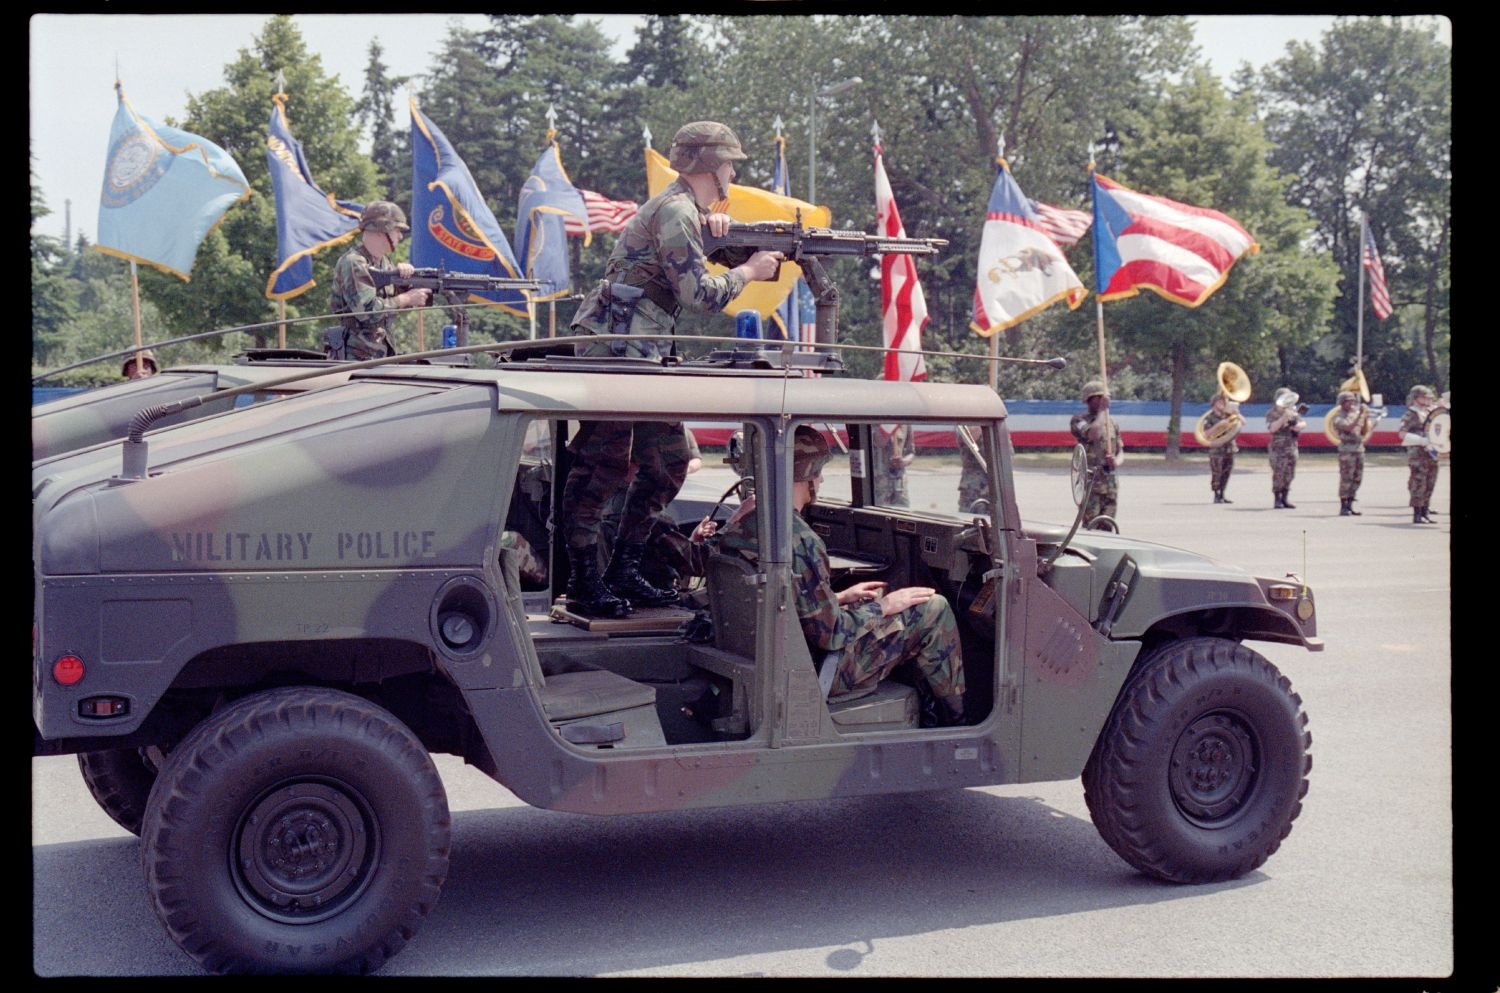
[(748, 204)]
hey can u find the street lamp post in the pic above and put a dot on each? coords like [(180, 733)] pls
[(832, 89)]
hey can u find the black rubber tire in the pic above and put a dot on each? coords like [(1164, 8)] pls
[(1202, 766), (298, 830), (120, 781)]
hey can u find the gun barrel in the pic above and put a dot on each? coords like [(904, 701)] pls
[(794, 241)]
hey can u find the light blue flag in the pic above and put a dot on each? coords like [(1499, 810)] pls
[(452, 228), (547, 200), (307, 219), (164, 191)]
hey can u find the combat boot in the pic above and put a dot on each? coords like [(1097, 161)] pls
[(1223, 498), (1285, 502), (624, 579), (1416, 516), (586, 594), (954, 705), (1218, 496), (1344, 509), (1278, 500)]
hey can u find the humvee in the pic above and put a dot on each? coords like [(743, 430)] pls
[(254, 629)]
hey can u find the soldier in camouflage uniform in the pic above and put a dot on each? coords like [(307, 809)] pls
[(657, 267), (1421, 458), (1100, 437), (973, 483), (369, 318), (1283, 423), (892, 454), (139, 365), (1220, 458), (873, 629), (1349, 424)]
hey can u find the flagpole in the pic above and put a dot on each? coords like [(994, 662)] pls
[(281, 329), (1103, 372), (1359, 328), (135, 307), (421, 331)]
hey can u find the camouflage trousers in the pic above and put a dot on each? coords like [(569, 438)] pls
[(366, 343), (1103, 497), (1220, 465), (1424, 471), (1283, 468), (1351, 473), (972, 487), (603, 452), (890, 490), (928, 634)]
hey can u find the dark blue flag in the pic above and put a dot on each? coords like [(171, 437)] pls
[(452, 228), (548, 201), (307, 219)]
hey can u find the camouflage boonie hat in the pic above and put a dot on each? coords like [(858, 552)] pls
[(382, 215), (1348, 395), (1420, 391), (703, 146), (1093, 388), (809, 454), (147, 357)]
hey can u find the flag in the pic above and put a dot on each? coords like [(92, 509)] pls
[(1062, 225), (452, 227), (748, 204), (807, 313), (1022, 270), (547, 199), (783, 325), (164, 191), (604, 214), (1175, 250), (903, 308), (1380, 297), (307, 219)]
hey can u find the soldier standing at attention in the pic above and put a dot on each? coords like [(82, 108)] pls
[(1349, 423), (368, 312), (657, 268), (893, 452), (873, 629), (1421, 459), (1283, 423), (1100, 437), (1220, 459), (973, 481)]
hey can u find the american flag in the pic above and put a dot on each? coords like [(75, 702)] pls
[(1380, 297), (1064, 226), (903, 307), (604, 214)]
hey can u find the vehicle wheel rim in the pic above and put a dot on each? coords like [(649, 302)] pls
[(1214, 769), (304, 850)]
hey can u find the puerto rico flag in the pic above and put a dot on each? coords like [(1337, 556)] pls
[(903, 308), (1175, 250), (1021, 268)]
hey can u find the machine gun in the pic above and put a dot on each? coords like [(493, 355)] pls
[(452, 286), (806, 247)]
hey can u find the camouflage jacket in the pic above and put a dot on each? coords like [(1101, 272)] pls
[(1283, 438), (1108, 441), (662, 246), (826, 624), (1346, 426), (354, 293)]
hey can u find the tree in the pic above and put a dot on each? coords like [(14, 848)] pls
[(1201, 147), (1363, 124), (390, 147)]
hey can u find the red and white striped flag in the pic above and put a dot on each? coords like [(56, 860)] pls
[(903, 308), (604, 214), (1062, 225), (1380, 297)]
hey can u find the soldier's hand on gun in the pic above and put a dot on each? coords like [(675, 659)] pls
[(718, 224), (405, 269), (763, 265), (861, 592), (415, 297)]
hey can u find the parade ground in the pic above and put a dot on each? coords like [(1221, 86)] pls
[(995, 882)]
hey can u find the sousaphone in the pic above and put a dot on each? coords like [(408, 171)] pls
[(1234, 385), (1354, 384)]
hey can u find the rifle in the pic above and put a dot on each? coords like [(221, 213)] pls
[(450, 284), (806, 247)]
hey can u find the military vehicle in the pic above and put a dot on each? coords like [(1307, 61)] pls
[(255, 628)]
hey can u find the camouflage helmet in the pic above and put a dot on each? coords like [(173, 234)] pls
[(703, 146), (1347, 395), (147, 357), (1420, 391), (1093, 388), (383, 216), (809, 454)]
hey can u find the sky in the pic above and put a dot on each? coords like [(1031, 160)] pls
[(162, 58)]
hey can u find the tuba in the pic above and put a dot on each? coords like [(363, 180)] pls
[(1355, 384), (1234, 385)]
